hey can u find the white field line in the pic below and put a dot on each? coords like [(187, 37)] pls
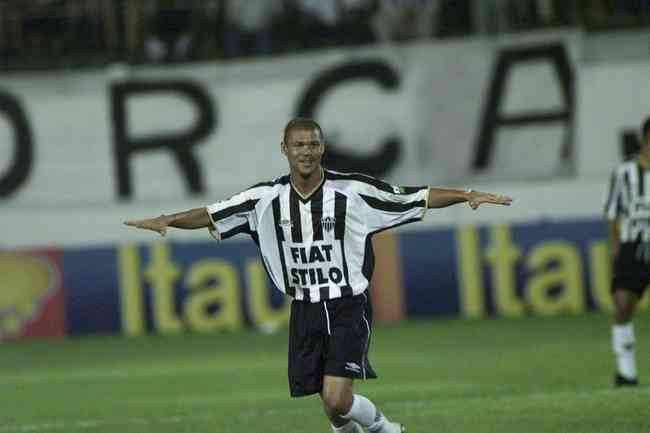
[(254, 413), (92, 374), (92, 423), (111, 374)]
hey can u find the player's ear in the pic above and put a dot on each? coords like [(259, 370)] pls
[(283, 147)]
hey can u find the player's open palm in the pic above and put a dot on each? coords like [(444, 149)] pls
[(158, 224), (476, 198)]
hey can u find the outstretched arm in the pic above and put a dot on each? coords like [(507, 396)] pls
[(192, 219), (441, 197)]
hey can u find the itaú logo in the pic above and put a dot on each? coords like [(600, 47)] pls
[(26, 284)]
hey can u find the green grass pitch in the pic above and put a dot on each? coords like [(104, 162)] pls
[(489, 376)]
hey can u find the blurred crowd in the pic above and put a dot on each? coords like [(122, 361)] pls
[(66, 33)]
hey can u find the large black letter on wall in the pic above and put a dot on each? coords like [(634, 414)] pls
[(23, 156), (378, 163), (180, 144), (492, 120)]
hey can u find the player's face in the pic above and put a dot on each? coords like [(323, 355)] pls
[(304, 149)]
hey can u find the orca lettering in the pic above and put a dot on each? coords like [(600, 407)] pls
[(180, 144), (23, 154)]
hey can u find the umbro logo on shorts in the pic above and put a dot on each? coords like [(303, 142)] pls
[(353, 367)]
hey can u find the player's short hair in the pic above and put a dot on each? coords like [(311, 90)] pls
[(301, 123), (645, 128)]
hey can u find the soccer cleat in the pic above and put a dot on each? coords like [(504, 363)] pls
[(383, 425), (622, 381)]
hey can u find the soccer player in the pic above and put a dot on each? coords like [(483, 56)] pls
[(313, 228), (628, 212)]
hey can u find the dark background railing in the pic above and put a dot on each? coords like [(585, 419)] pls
[(50, 34)]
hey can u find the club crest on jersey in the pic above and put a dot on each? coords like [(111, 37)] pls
[(398, 189), (285, 223), (328, 223)]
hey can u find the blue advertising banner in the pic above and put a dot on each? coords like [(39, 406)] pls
[(92, 294), (541, 268), (168, 288)]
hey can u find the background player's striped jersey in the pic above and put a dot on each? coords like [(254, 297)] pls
[(628, 200), (318, 247)]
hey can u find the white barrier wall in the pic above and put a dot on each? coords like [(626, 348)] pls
[(613, 99), (91, 225), (431, 100), (435, 106)]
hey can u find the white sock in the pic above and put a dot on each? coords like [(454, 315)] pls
[(365, 413), (362, 411), (623, 343)]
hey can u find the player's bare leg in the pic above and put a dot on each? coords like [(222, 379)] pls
[(337, 400), (625, 304), (347, 411), (623, 340)]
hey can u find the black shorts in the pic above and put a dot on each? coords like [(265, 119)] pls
[(630, 271), (330, 337)]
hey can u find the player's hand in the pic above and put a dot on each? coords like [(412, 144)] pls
[(476, 198), (158, 224)]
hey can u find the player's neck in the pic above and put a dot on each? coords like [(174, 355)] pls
[(644, 156), (306, 185)]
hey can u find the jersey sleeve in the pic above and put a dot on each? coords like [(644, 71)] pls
[(235, 215), (390, 206), (613, 208)]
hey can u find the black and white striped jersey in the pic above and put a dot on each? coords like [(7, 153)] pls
[(628, 200), (318, 247)]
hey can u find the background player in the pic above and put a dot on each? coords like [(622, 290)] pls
[(628, 211), (313, 228)]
